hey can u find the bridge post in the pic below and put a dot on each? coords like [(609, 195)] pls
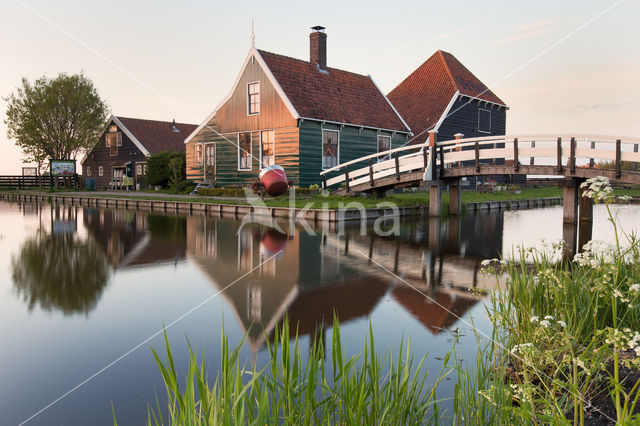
[(585, 213), (455, 203), (435, 199), (433, 135), (569, 201), (458, 136)]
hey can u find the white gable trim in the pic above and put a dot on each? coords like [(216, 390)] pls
[(126, 131), (446, 110), (135, 140), (483, 100), (253, 52), (390, 104)]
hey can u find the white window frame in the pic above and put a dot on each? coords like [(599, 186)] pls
[(249, 98), (484, 131), (322, 148), (100, 171), (206, 157), (88, 170), (139, 169), (387, 157), (262, 166), (199, 160), (244, 169)]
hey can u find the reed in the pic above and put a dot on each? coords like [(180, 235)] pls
[(326, 389)]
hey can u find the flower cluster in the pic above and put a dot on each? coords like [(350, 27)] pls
[(595, 253), (598, 189), (627, 339), (546, 322)]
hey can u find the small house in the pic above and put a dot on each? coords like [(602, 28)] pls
[(126, 143), (443, 95), (302, 115)]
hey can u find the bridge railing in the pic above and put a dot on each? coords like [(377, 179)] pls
[(415, 157), (565, 150)]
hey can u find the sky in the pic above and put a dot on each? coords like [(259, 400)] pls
[(561, 67)]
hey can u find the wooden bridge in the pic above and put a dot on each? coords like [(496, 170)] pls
[(435, 164)]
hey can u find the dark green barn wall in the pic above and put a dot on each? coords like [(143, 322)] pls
[(354, 142)]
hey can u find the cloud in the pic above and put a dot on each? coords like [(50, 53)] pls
[(453, 33), (577, 109), (529, 30)]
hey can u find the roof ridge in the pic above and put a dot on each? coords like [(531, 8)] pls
[(120, 117), (307, 62), (446, 67)]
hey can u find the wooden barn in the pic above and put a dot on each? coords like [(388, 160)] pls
[(443, 95), (301, 115), (127, 142)]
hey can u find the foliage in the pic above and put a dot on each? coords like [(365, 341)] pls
[(566, 329), (60, 272), (166, 168), (55, 118), (327, 389)]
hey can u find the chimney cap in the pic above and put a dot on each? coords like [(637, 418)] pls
[(318, 28)]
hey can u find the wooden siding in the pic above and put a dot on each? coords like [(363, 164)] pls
[(354, 142), (233, 117), (100, 155), (465, 120), (226, 169)]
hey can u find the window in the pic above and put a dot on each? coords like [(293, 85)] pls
[(329, 149), (244, 151), (198, 154), (210, 155), (113, 141), (100, 171), (484, 121), (88, 171), (384, 144), (253, 98), (254, 303), (138, 169), (144, 169), (268, 155)]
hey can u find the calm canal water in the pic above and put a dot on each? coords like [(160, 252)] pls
[(82, 288)]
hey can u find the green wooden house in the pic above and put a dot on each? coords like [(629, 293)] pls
[(301, 115)]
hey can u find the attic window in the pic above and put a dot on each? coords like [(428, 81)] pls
[(253, 98), (113, 140), (484, 121)]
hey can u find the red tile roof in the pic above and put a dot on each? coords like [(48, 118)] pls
[(339, 96), (424, 95), (158, 136)]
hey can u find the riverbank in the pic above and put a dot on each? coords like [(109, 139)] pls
[(316, 207)]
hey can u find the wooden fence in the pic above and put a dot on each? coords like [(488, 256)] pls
[(27, 182)]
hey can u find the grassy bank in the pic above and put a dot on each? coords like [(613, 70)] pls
[(331, 201), (567, 334)]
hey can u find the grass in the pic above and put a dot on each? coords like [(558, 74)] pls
[(327, 389), (406, 199), (567, 341)]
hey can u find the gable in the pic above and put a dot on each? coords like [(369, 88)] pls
[(233, 116)]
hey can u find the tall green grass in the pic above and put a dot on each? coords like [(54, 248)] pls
[(328, 388)]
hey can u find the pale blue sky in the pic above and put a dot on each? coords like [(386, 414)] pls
[(164, 60)]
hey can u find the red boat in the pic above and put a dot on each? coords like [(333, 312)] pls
[(273, 180)]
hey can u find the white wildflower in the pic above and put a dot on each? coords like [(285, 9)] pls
[(545, 323), (549, 317), (534, 319), (485, 262), (635, 288), (562, 324), (520, 347)]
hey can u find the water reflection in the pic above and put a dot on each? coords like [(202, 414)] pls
[(428, 270), (136, 239), (56, 270)]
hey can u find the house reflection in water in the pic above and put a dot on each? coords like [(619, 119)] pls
[(312, 276), (133, 239)]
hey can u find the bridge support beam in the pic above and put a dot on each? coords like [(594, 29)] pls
[(435, 199), (577, 217), (455, 203), (570, 201)]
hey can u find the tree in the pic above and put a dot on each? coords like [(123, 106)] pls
[(166, 167), (55, 118)]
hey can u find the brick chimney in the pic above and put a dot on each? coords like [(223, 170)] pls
[(318, 48)]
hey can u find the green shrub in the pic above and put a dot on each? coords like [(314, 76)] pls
[(165, 166)]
